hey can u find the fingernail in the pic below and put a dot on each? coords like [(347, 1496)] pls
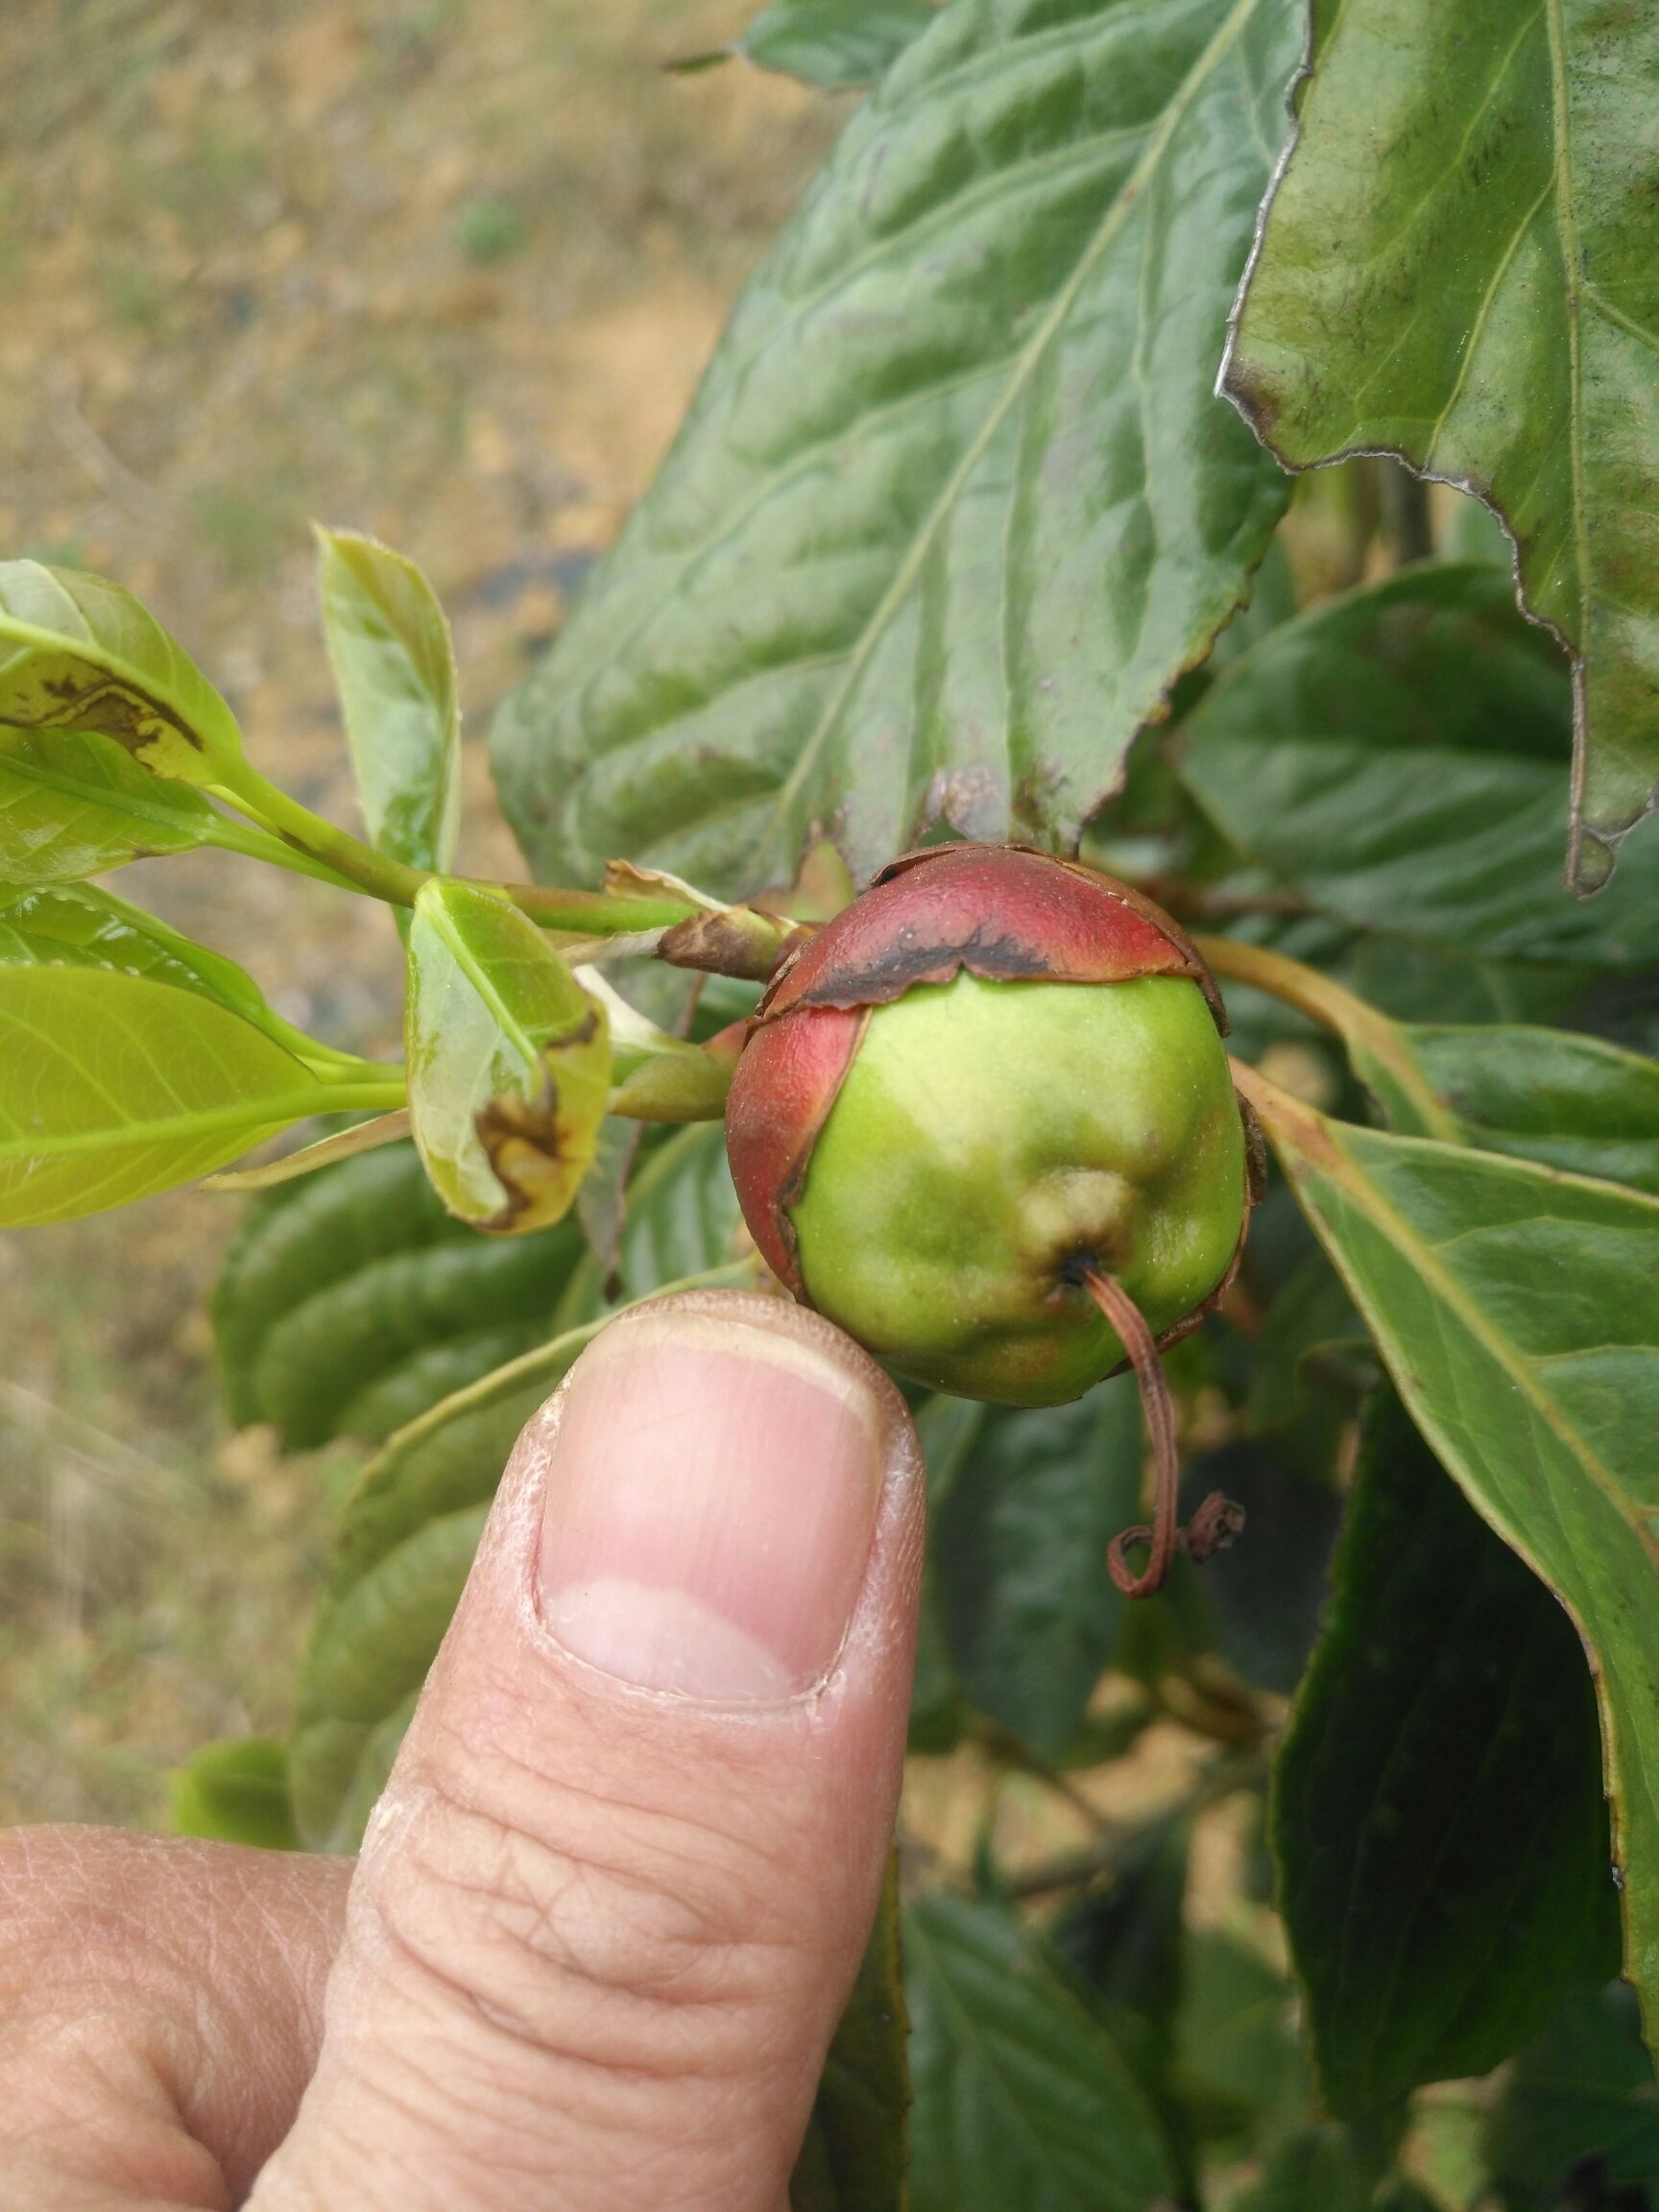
[(709, 1508)]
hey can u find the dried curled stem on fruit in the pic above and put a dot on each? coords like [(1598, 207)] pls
[(1217, 1520)]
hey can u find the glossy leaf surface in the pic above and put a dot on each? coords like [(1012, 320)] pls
[(1457, 265), (72, 806), (1022, 2098), (77, 925), (113, 1086), (955, 503), (80, 653), (1445, 1867), (509, 1061), (351, 1302), (394, 667), (1518, 1311), (1396, 760)]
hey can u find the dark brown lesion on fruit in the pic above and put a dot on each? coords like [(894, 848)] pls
[(913, 958)]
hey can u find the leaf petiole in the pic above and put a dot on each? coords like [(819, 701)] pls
[(1335, 1009)]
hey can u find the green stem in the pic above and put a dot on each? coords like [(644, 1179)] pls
[(596, 913), (343, 854), (251, 1113), (257, 844), (1333, 1008)]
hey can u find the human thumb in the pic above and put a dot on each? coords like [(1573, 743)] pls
[(612, 1900)]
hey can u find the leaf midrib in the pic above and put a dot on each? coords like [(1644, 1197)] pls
[(1506, 1357), (1126, 202), (918, 1938)]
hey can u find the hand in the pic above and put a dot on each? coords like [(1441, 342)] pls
[(611, 1905)]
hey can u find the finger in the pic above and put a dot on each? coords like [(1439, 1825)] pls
[(160, 2009), (612, 1902)]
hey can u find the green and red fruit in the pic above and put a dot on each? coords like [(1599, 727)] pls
[(992, 1074)]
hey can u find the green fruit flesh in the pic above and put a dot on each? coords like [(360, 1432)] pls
[(989, 1139)]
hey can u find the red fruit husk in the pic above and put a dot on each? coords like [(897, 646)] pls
[(1000, 911)]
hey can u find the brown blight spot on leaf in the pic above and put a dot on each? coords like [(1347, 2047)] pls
[(538, 1154), (89, 699)]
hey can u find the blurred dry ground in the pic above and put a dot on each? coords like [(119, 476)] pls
[(442, 272)]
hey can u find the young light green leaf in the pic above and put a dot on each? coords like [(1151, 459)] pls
[(1018, 1558), (509, 1061), (854, 2158), (1519, 364), (395, 665), (1395, 760), (1020, 2097), (1439, 1819), (1517, 1309), (956, 504), (73, 806), (77, 925), (114, 1084), (353, 1302), (79, 653), (236, 1792)]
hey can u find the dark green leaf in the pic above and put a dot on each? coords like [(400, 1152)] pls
[(835, 43), (1395, 760), (1439, 1824), (80, 653), (1028, 1611), (509, 1061), (408, 1533), (1456, 265), (1543, 1095), (351, 1302), (956, 504), (1264, 1598), (73, 806), (682, 1213), (1321, 2169), (1020, 2097), (402, 1556), (236, 1792), (1236, 2054), (946, 1428), (853, 2157), (1518, 1311), (394, 667), (1579, 2103)]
